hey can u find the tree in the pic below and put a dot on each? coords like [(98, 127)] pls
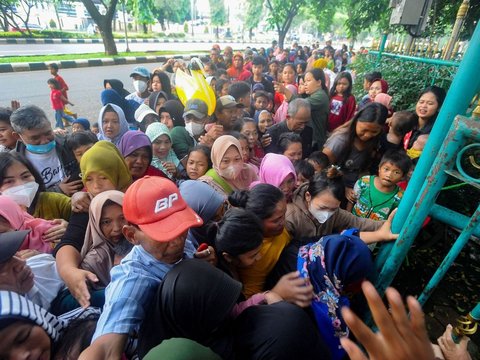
[(171, 11), (218, 14), (104, 22), (143, 12), (281, 14), (254, 14), (363, 14), (17, 19)]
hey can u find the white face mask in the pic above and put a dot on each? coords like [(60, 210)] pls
[(194, 129), (22, 194), (321, 215), (231, 172), (140, 86)]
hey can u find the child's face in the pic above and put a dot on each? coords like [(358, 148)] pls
[(287, 186), (288, 75), (389, 174), (273, 67), (53, 71), (375, 89), (78, 152), (248, 259), (250, 131), (161, 146), (111, 223), (95, 129), (7, 138), (366, 85), (261, 103), (51, 86), (300, 180), (257, 70), (77, 127), (197, 165), (156, 84), (342, 86), (264, 122), (367, 131), (35, 340), (294, 152), (224, 89), (301, 86), (245, 150)]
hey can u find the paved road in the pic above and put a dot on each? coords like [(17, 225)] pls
[(52, 49), (85, 84)]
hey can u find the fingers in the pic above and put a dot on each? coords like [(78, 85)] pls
[(54, 235), (352, 350), (65, 179), (399, 314)]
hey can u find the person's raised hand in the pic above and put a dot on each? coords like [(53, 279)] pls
[(350, 195), (55, 233), (170, 167), (81, 202), (266, 140), (294, 289), (76, 281), (399, 337), (14, 104), (452, 350), (208, 255), (385, 231), (69, 188)]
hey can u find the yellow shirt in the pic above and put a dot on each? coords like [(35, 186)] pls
[(254, 277), (51, 205)]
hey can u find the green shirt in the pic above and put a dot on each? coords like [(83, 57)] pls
[(52, 205)]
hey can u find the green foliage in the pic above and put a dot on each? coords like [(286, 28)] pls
[(406, 79), (176, 11), (142, 10), (53, 34), (52, 24), (185, 27), (218, 14), (363, 14), (254, 14)]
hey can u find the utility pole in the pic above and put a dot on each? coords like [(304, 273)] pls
[(125, 26)]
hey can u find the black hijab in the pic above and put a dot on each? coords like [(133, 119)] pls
[(154, 97), (116, 85), (175, 109)]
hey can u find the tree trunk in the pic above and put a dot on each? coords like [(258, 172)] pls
[(250, 34), (108, 40), (162, 23), (58, 17), (216, 32), (281, 38), (104, 23), (145, 28)]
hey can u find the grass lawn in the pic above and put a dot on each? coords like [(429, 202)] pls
[(59, 57)]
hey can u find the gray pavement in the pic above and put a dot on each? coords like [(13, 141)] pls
[(85, 87)]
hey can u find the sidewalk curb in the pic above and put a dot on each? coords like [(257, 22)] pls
[(69, 64), (12, 41)]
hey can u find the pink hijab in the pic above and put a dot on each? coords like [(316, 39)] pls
[(21, 220), (274, 169)]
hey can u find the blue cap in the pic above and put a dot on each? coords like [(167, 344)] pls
[(142, 71), (82, 121)]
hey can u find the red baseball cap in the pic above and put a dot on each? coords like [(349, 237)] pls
[(155, 205)]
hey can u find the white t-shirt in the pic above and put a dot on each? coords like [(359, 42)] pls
[(134, 96), (49, 167)]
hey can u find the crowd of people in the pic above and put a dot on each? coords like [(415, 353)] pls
[(169, 230)]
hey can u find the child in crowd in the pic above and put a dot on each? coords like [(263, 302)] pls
[(94, 128), (342, 102), (198, 162), (367, 82), (221, 87), (164, 158), (8, 138), (80, 142), (400, 124), (260, 100), (290, 145), (63, 87), (319, 161), (58, 100), (245, 148), (305, 171), (377, 196), (385, 100), (80, 124)]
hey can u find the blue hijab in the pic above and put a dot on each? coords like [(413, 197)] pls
[(332, 263), (110, 96)]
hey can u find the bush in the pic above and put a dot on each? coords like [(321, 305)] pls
[(52, 24), (185, 27)]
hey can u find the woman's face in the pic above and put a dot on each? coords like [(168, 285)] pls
[(156, 84), (111, 124), (22, 340), (111, 222), (264, 122), (287, 186), (301, 86), (324, 201), (294, 151), (161, 146), (250, 131), (273, 68), (311, 85), (17, 174), (367, 131), (231, 157), (166, 119), (197, 165), (427, 106), (224, 89), (97, 183), (160, 101), (138, 162), (288, 75), (249, 258), (375, 89), (273, 226)]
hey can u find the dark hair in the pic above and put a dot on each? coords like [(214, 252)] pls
[(203, 149), (53, 66), (95, 124), (213, 67), (439, 94), (239, 89), (7, 159), (238, 232), (5, 114), (286, 139), (305, 168), (240, 123), (399, 158), (220, 72), (320, 158), (109, 108), (405, 121), (54, 82), (260, 93), (330, 179), (259, 60), (318, 74), (303, 66), (80, 138), (219, 85), (348, 91), (291, 65), (262, 199), (164, 81), (373, 75)]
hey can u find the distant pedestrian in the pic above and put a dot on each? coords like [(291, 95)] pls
[(58, 100), (63, 87)]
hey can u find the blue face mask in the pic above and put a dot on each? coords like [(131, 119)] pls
[(41, 149)]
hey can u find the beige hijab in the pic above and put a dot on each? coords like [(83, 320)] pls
[(97, 252)]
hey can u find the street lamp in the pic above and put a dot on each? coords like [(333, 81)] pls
[(125, 26)]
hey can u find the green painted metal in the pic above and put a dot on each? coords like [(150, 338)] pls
[(381, 49), (422, 60), (452, 218)]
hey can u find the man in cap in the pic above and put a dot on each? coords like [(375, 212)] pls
[(140, 76), (158, 222)]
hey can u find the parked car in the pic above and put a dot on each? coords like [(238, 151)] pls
[(35, 27)]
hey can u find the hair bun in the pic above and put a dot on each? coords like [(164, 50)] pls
[(239, 198)]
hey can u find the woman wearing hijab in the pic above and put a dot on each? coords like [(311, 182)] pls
[(116, 85), (277, 170), (207, 203), (103, 168), (171, 114), (112, 123), (335, 264), (229, 172), (136, 149), (41, 333), (111, 96), (164, 158), (156, 100)]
